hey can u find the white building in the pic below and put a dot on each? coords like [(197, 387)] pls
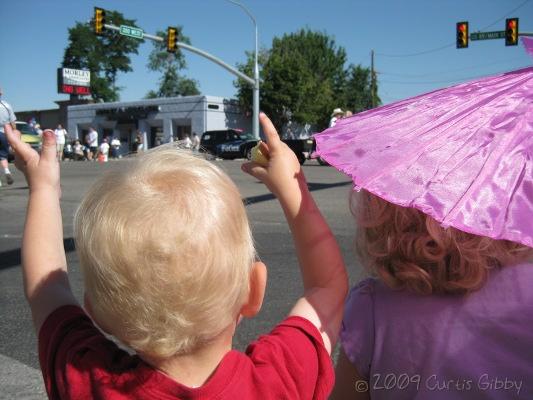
[(164, 119)]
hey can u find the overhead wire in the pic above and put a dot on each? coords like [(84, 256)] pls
[(441, 81), (447, 71)]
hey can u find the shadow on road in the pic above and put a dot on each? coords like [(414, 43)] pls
[(12, 258), (312, 187)]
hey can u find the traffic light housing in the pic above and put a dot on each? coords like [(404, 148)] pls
[(99, 20), (172, 39), (511, 31), (462, 35)]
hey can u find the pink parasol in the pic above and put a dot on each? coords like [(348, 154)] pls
[(463, 154)]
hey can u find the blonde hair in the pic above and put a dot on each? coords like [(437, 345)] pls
[(165, 250), (408, 249)]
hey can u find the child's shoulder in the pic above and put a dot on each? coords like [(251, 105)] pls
[(293, 355)]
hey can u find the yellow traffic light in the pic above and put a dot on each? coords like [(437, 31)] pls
[(511, 32), (172, 39), (462, 35), (99, 20)]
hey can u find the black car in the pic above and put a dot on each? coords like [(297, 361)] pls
[(228, 143)]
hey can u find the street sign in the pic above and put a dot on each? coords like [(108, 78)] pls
[(131, 31), (487, 35)]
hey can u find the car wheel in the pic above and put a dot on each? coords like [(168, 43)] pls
[(249, 154)]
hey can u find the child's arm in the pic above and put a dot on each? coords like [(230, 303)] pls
[(43, 257), (321, 264)]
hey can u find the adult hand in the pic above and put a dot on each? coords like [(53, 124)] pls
[(41, 171)]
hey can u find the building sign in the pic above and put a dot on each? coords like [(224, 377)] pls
[(73, 81)]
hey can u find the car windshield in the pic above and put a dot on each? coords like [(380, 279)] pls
[(25, 129), (247, 136)]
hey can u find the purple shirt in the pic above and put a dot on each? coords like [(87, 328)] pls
[(478, 346)]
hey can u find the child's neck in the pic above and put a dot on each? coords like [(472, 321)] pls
[(195, 369)]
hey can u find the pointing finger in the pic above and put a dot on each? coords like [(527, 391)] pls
[(271, 134)]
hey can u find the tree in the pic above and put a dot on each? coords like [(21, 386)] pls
[(171, 83), (105, 56), (303, 78), (358, 89), (300, 77)]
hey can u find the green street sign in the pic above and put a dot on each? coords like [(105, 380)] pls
[(131, 31), (487, 35)]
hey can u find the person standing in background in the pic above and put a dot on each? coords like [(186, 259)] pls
[(187, 142), (115, 147), (92, 142), (104, 151), (138, 144), (61, 138), (336, 115), (195, 143), (7, 116)]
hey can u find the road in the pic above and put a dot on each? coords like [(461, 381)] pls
[(20, 376)]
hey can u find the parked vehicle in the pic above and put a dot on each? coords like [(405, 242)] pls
[(211, 139), (230, 144)]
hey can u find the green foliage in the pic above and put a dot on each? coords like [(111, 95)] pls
[(303, 78), (358, 89), (171, 83), (105, 56)]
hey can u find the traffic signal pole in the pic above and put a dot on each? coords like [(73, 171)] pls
[(139, 34), (196, 50)]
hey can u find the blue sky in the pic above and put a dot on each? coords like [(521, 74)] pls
[(414, 40)]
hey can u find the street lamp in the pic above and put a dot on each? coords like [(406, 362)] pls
[(255, 118)]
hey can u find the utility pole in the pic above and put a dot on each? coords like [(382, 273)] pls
[(372, 80)]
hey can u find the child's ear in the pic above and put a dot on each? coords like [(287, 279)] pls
[(258, 278)]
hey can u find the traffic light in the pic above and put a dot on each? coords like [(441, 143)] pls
[(172, 39), (511, 31), (462, 35), (99, 20)]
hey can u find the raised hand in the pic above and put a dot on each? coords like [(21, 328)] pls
[(282, 175), (41, 171)]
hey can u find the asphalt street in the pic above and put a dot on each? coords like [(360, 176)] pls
[(19, 368)]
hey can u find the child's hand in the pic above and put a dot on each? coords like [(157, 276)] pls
[(41, 172), (282, 175)]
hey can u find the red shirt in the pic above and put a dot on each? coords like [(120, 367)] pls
[(79, 362)]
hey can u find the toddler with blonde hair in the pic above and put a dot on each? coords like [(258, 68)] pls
[(169, 269), (447, 314)]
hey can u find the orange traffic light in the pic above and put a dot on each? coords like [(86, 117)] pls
[(172, 39), (99, 20), (511, 31), (462, 35)]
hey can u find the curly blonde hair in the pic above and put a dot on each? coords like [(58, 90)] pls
[(408, 249), (166, 252)]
